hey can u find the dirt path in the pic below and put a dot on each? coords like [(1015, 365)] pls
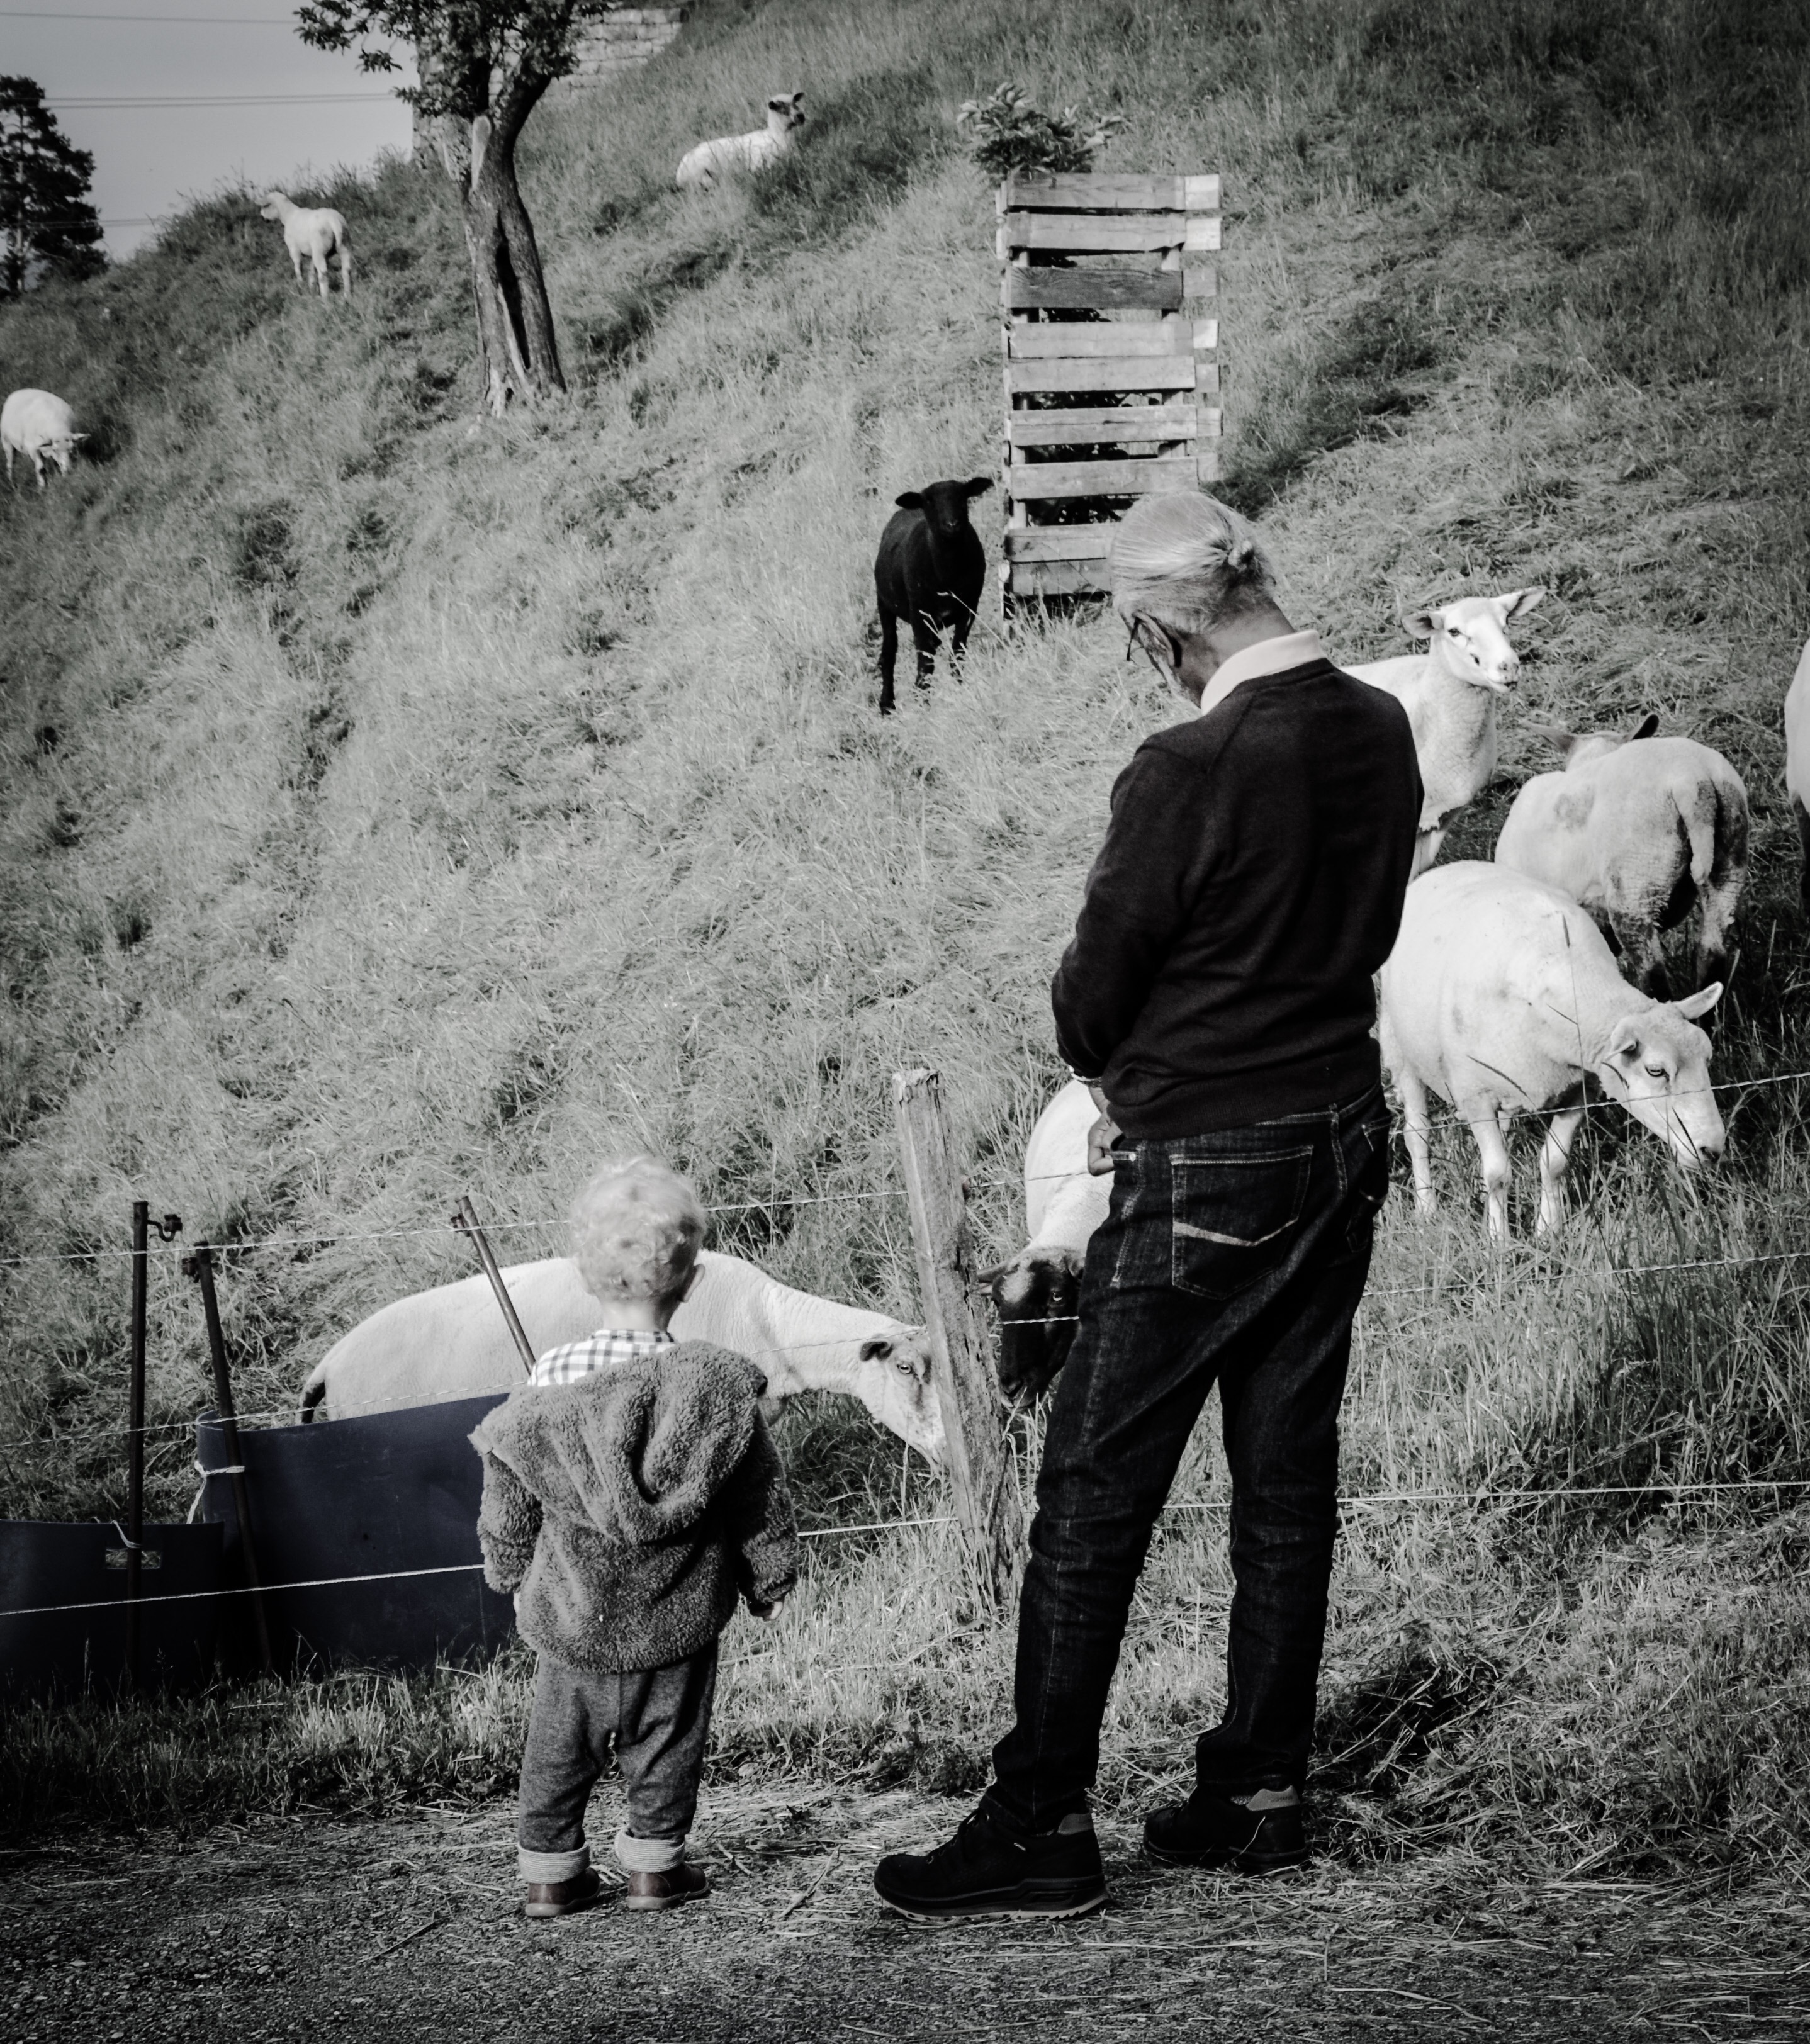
[(410, 1929)]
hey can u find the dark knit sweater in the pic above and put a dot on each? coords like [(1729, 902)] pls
[(1249, 886), (630, 1508)]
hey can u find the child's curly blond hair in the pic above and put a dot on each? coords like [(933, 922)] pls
[(636, 1228)]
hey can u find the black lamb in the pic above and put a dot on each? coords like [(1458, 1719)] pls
[(929, 571)]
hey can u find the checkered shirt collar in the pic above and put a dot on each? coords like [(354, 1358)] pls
[(604, 1350)]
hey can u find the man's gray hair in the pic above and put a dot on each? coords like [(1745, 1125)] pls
[(1186, 561), (636, 1228)]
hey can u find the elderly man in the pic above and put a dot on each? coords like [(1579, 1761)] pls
[(1217, 996)]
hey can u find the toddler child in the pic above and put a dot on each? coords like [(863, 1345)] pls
[(631, 1493)]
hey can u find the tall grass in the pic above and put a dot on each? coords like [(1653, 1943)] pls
[(399, 803)]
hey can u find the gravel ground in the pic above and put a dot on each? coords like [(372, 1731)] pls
[(411, 1927)]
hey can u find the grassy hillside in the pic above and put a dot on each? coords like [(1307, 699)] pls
[(398, 803)]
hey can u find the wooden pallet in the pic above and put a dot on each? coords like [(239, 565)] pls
[(1134, 386)]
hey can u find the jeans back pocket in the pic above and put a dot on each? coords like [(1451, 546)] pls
[(1234, 1218)]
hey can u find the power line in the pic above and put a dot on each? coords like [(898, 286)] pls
[(211, 21), (265, 99)]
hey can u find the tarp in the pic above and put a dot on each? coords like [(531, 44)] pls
[(377, 1499), (43, 1561)]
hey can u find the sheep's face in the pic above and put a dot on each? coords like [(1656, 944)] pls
[(785, 111), (270, 209), (1657, 1065), (945, 504), (897, 1389), (60, 451), (1471, 638), (1036, 1294)]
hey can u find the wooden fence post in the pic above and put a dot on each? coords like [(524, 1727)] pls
[(986, 1500)]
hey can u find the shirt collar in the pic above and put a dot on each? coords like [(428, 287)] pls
[(1268, 656)]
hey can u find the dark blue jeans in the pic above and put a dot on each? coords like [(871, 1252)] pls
[(1239, 1258)]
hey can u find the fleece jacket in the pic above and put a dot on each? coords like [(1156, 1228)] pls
[(629, 1509), (1249, 886)]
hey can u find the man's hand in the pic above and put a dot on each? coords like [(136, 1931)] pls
[(1102, 1136)]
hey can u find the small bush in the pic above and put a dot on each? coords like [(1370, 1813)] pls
[(1011, 134)]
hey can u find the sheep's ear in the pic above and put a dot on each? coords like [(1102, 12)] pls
[(1517, 600), (1422, 625), (977, 486), (75, 437), (1647, 725), (1699, 1003), (876, 1346), (910, 500)]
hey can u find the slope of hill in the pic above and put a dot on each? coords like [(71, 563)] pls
[(398, 803)]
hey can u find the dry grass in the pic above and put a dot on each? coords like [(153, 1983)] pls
[(397, 805)]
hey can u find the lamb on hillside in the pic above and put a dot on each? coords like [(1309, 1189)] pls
[(1449, 692), (452, 1342), (1637, 829), (1502, 996), (704, 165), (316, 232), (1037, 1290), (1797, 763), (35, 423), (930, 570)]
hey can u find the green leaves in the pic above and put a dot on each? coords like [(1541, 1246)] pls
[(1012, 134)]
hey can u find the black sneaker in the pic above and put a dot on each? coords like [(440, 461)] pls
[(989, 1869), (1212, 1830)]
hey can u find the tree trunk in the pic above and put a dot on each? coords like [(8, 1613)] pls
[(518, 350)]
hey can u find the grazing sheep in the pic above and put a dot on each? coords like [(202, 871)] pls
[(452, 1343), (35, 423), (704, 165), (316, 232), (1502, 995), (1450, 694), (1637, 829), (1037, 1290), (930, 570), (1797, 763)]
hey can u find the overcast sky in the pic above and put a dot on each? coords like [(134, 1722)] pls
[(149, 158)]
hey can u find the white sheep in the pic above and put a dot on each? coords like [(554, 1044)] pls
[(452, 1342), (316, 232), (1638, 829), (1797, 763), (1037, 1290), (1449, 692), (704, 165), (35, 423), (1502, 995)]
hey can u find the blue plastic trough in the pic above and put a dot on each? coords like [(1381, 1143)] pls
[(366, 1538), (59, 1653)]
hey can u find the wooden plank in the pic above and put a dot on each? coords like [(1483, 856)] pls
[(1118, 372), (980, 1473), (1108, 191), (1070, 341), (1103, 290), (1059, 543), (1057, 577), (1106, 287), (1106, 233), (1114, 422), (1104, 478)]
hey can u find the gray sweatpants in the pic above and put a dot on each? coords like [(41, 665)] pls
[(657, 1719)]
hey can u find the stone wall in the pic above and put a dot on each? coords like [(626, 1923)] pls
[(609, 46)]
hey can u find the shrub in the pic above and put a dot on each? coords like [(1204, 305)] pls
[(1011, 134)]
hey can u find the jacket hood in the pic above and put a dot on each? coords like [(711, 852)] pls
[(637, 1451)]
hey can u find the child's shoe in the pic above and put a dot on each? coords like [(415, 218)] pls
[(666, 1891), (560, 1898)]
